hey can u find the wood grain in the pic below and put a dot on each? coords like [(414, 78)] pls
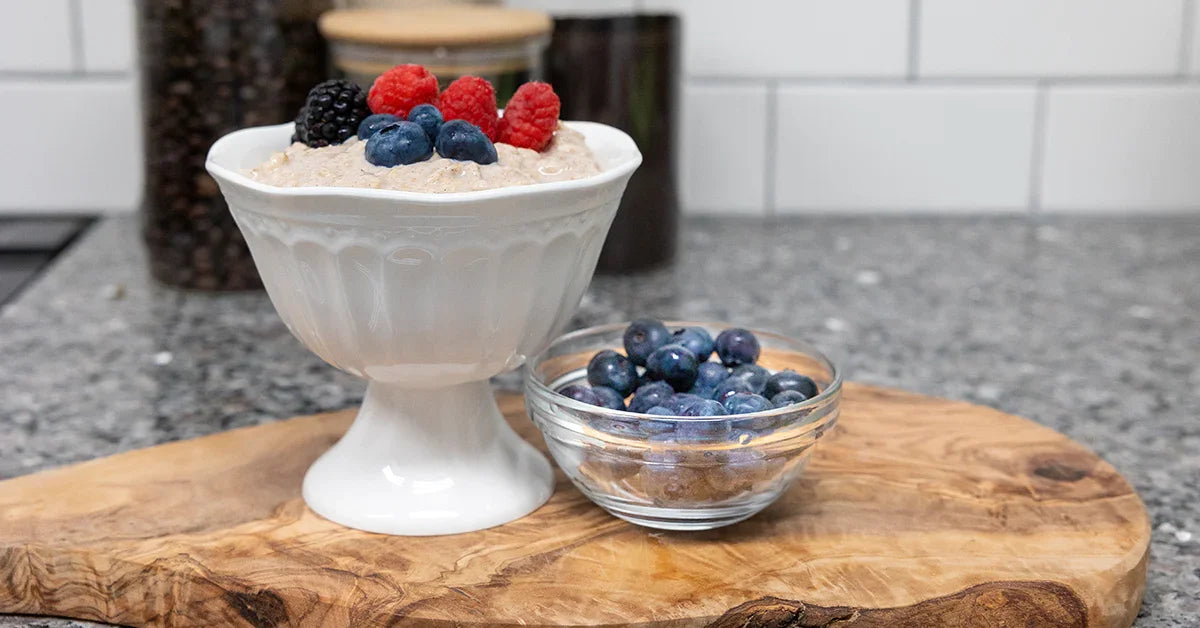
[(915, 512)]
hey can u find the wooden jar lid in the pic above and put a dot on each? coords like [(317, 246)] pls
[(435, 26)]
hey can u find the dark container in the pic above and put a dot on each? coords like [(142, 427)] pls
[(624, 71), (210, 67)]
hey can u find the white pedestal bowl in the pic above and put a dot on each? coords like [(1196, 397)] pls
[(425, 296)]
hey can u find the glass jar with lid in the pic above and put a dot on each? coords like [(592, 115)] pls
[(500, 44)]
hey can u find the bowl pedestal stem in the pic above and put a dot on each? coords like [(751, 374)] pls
[(425, 461)]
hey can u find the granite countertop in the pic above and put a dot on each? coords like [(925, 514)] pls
[(1089, 325)]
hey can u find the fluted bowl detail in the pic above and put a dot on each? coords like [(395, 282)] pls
[(417, 288)]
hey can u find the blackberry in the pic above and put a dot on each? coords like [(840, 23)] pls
[(331, 113)]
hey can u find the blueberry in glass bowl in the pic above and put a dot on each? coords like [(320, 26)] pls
[(686, 460)]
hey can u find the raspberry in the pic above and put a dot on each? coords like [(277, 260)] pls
[(531, 116), (401, 88), (472, 99)]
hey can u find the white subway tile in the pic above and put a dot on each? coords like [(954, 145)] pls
[(768, 38), (904, 148), (108, 40), (35, 36), (576, 8), (1192, 32), (1049, 37), (723, 152), (1122, 148), (78, 146)]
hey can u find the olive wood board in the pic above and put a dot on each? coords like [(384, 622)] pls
[(915, 511)]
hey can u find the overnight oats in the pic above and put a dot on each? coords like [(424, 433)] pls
[(405, 134)]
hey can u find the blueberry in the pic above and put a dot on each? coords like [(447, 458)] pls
[(429, 118), (787, 398), (705, 407), (703, 391), (791, 380), (661, 451), (373, 123), (609, 398), (642, 337), (737, 346), (674, 365), (696, 340), (659, 411), (656, 427), (580, 393), (609, 368), (463, 141), (650, 395), (731, 386), (710, 375), (398, 143), (614, 427), (678, 402), (754, 375), (747, 403), (693, 431)]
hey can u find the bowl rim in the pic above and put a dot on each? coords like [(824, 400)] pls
[(832, 391), (249, 138)]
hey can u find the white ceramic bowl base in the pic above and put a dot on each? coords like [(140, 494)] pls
[(426, 296)]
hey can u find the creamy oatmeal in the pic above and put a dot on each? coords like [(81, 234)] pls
[(343, 165)]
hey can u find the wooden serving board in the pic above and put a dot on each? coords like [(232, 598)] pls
[(916, 511)]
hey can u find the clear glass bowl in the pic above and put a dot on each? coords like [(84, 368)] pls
[(678, 473)]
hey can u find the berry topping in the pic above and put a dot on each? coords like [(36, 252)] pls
[(461, 140), (429, 118), (674, 365), (611, 369), (737, 346), (331, 113), (642, 337), (696, 340), (609, 398), (472, 99), (401, 88), (531, 116), (373, 123), (399, 143), (791, 380)]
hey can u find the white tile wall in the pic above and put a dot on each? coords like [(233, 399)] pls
[(773, 38), (108, 38), (1122, 148), (36, 37), (83, 151), (904, 148), (837, 104), (577, 8), (724, 159), (976, 38)]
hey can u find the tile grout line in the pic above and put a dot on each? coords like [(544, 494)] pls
[(771, 148), (1165, 80), (1187, 38), (76, 16), (1038, 154), (914, 39)]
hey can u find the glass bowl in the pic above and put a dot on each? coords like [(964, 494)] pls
[(678, 473)]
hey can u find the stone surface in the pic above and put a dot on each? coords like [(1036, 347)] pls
[(1088, 325)]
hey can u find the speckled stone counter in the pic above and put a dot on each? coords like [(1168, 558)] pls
[(1088, 325)]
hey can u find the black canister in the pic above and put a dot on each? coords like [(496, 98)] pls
[(624, 71), (210, 67)]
